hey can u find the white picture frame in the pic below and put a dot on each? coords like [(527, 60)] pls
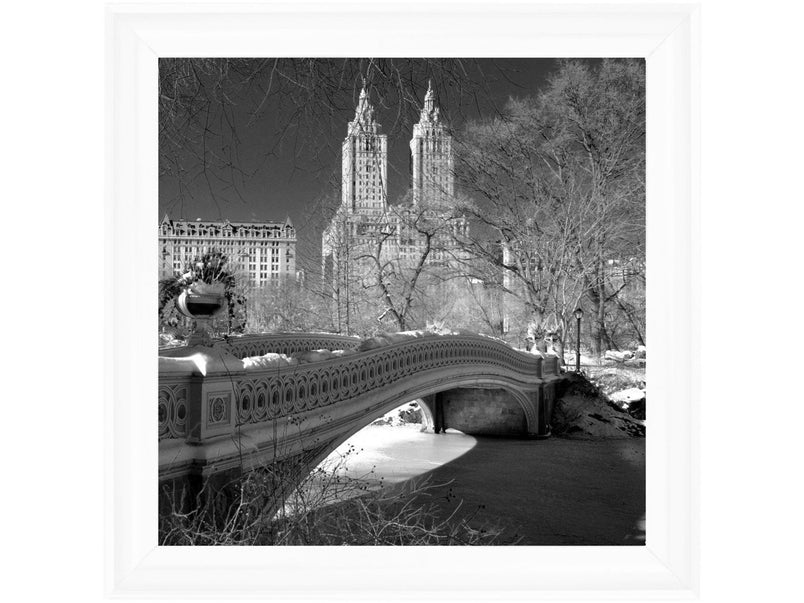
[(667, 36)]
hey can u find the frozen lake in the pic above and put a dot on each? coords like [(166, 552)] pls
[(398, 453), (541, 492)]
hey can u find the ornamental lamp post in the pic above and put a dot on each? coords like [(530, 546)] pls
[(578, 316)]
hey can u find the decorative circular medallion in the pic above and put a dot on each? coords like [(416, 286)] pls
[(218, 410)]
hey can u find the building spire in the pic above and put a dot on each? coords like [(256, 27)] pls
[(429, 98), (431, 154), (430, 113), (364, 157), (364, 112)]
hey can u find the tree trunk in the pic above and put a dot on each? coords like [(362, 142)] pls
[(632, 319), (596, 293), (558, 342), (594, 325)]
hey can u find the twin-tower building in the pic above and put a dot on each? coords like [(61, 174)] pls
[(365, 159), (365, 231)]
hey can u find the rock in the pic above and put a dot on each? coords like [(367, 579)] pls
[(637, 409), (582, 410), (575, 384), (632, 401), (585, 417)]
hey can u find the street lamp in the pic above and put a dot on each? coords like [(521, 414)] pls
[(578, 317)]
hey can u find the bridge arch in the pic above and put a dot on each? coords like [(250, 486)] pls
[(523, 401)]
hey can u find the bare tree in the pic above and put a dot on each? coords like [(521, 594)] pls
[(555, 187), (286, 305), (522, 234), (342, 278), (600, 124), (397, 258)]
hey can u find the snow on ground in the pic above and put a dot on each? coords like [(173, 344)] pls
[(627, 396), (406, 414), (611, 379), (623, 385)]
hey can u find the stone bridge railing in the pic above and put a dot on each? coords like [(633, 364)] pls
[(210, 395)]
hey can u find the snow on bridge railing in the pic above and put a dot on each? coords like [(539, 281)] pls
[(244, 346), (258, 389), (289, 343)]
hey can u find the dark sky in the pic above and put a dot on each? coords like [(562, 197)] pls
[(299, 177)]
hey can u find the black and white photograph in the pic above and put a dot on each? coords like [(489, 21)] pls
[(383, 276), (401, 301)]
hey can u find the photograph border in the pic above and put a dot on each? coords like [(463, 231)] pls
[(667, 36)]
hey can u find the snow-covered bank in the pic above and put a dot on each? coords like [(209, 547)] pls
[(584, 410)]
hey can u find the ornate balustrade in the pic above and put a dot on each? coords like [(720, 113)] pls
[(203, 397), (244, 346)]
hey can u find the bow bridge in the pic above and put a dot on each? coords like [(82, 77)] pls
[(239, 405)]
